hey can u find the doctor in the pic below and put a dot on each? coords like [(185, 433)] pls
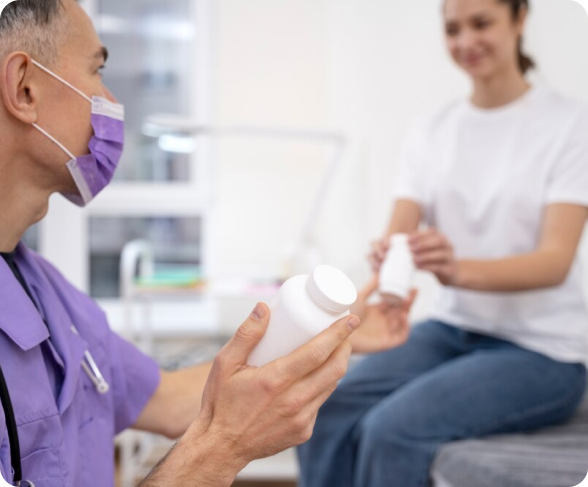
[(67, 383)]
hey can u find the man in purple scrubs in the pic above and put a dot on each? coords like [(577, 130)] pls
[(70, 384)]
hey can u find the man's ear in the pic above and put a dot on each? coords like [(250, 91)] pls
[(18, 91)]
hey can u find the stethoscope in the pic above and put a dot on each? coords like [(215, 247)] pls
[(93, 372)]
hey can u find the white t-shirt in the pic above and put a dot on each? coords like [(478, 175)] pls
[(483, 179)]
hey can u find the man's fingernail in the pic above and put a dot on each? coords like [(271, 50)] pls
[(353, 322), (259, 312)]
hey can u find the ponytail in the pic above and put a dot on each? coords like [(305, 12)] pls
[(526, 63)]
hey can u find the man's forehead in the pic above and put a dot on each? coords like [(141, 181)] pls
[(81, 37)]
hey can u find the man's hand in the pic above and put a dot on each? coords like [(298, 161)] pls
[(383, 326), (250, 412)]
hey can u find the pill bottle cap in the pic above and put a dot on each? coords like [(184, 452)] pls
[(331, 289)]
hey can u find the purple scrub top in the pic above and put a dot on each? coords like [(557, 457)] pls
[(64, 441)]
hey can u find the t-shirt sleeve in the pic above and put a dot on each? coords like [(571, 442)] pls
[(135, 378), (411, 181), (569, 178)]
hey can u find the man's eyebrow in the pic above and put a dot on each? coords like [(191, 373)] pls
[(102, 54)]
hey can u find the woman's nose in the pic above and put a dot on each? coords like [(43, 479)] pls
[(466, 39)]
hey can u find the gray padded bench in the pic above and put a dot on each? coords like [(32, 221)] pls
[(552, 457)]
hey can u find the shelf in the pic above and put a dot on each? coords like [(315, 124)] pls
[(235, 288), (150, 199)]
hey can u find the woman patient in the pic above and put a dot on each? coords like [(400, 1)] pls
[(500, 180)]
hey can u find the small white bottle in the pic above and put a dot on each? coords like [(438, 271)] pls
[(305, 306), (397, 271)]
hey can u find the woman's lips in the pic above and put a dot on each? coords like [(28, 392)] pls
[(471, 60)]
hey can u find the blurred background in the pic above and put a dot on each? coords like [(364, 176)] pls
[(262, 137)]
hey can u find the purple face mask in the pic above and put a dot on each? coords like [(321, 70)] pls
[(94, 171)]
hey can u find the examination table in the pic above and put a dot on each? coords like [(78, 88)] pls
[(551, 457)]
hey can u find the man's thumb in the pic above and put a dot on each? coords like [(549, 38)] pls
[(248, 335)]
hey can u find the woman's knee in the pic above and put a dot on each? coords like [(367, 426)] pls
[(407, 420), (386, 428)]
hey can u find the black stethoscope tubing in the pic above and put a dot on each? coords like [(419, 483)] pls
[(93, 373)]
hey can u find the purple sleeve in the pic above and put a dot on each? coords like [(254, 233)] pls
[(4, 450), (135, 378)]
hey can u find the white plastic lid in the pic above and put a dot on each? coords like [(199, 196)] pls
[(331, 289)]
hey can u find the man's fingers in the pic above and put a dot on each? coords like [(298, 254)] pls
[(248, 335), (325, 378), (319, 400), (315, 353)]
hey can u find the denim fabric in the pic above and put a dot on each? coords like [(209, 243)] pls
[(384, 424)]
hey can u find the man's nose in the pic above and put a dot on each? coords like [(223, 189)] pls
[(109, 96)]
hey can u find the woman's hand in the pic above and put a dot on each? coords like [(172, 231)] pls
[(434, 253), (383, 326), (378, 253)]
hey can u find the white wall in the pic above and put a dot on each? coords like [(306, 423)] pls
[(365, 68), (270, 72)]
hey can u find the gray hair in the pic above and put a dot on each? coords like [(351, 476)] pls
[(32, 26)]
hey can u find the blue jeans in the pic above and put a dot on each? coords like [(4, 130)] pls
[(384, 424)]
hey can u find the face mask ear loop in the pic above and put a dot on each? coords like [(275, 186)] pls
[(59, 78), (54, 140)]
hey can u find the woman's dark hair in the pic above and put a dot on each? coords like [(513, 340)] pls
[(517, 7)]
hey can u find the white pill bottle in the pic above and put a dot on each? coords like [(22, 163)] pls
[(397, 272), (305, 306)]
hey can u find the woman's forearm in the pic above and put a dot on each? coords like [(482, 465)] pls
[(545, 267), (535, 270), (405, 218)]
